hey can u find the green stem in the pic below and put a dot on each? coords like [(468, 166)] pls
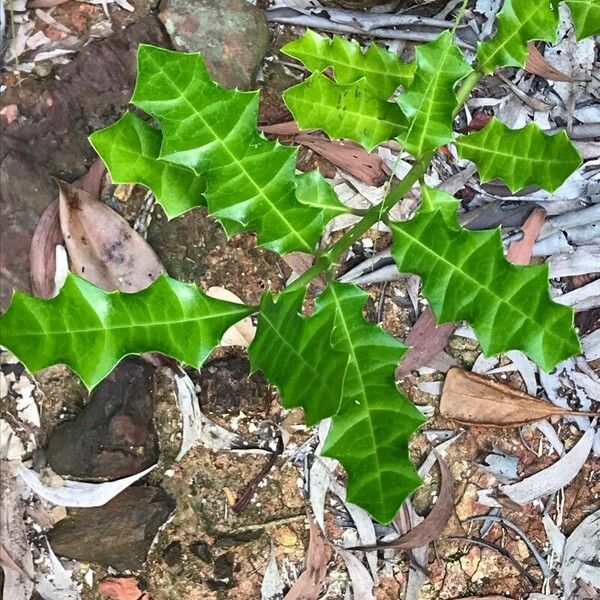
[(329, 257), (326, 259)]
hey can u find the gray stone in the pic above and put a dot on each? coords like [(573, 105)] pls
[(113, 436), (232, 35), (117, 534)]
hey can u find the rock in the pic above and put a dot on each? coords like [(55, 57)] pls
[(113, 436), (117, 534), (50, 136), (232, 35)]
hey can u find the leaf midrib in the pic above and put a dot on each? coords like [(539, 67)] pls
[(428, 250), (222, 144)]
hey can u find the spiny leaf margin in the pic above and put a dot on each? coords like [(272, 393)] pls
[(466, 276), (520, 157), (91, 330), (430, 101), (250, 181), (370, 433), (344, 111), (130, 149), (382, 69), (295, 354)]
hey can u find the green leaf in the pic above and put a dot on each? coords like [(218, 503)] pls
[(313, 190), (519, 22), (295, 354), (249, 180), (130, 148), (382, 69), (91, 330), (429, 103), (344, 111), (586, 17), (370, 433), (465, 276), (520, 157)]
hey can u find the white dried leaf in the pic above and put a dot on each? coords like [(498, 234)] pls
[(79, 494), (272, 586), (362, 582), (582, 548), (555, 477), (243, 332)]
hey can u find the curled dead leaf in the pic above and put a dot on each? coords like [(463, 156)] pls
[(434, 523), (474, 399), (538, 65), (48, 234), (102, 247), (308, 585)]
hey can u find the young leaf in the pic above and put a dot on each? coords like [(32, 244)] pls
[(313, 190), (90, 330), (383, 70), (130, 149), (586, 17), (430, 101), (249, 180), (370, 433), (518, 22), (344, 111), (520, 157), (295, 354), (465, 276)]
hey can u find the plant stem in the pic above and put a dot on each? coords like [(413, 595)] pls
[(329, 257), (326, 259)]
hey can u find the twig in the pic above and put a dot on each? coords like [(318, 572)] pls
[(252, 486), (543, 564), (503, 551), (381, 33)]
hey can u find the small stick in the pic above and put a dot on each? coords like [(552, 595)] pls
[(250, 489)]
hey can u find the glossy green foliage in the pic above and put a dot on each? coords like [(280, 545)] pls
[(429, 103), (90, 330), (344, 111), (382, 70), (313, 190), (370, 433), (518, 22), (465, 276), (520, 157), (586, 17), (130, 149), (295, 353), (250, 181)]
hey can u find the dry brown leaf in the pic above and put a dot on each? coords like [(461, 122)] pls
[(474, 399), (538, 65), (519, 253), (349, 156), (434, 523), (426, 341), (47, 234), (308, 585), (102, 247)]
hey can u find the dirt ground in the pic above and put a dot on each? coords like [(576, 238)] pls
[(202, 545)]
